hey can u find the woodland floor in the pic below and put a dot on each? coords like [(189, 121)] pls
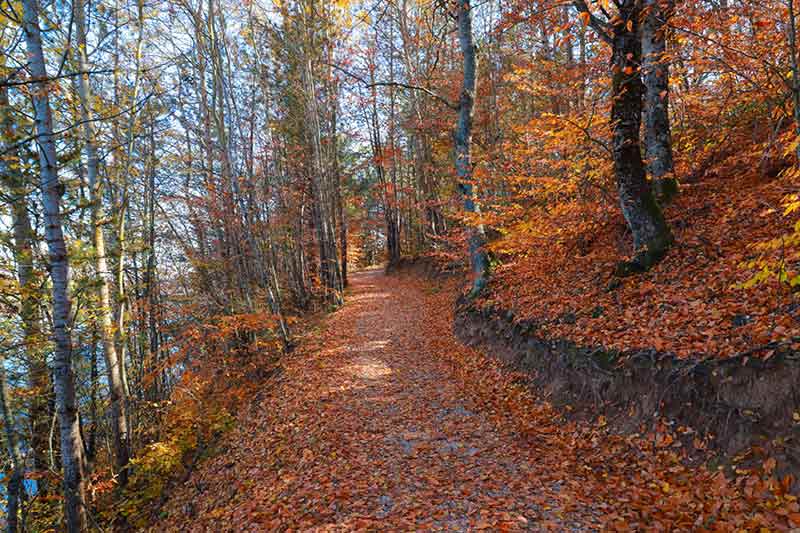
[(380, 420), (691, 304)]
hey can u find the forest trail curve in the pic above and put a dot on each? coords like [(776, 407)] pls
[(369, 430)]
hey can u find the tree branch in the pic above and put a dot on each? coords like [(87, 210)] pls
[(425, 90), (7, 82), (597, 24), (35, 137)]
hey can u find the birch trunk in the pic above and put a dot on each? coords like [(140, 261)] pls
[(38, 373), (15, 481), (9, 177)]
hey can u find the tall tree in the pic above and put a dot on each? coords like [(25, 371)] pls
[(119, 419), (479, 257), (13, 181), (16, 479), (794, 63), (23, 251), (321, 182), (651, 235), (655, 67), (64, 379)]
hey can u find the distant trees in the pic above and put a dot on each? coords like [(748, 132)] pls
[(13, 184), (324, 183), (114, 372)]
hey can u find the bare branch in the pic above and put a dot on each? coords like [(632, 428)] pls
[(138, 105), (9, 83), (424, 90)]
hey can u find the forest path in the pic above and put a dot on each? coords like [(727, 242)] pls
[(368, 428)]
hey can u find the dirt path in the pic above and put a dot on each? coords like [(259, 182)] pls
[(382, 421), (367, 429), (418, 455)]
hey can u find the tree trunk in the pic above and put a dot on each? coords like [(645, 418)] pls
[(38, 373), (119, 419), (15, 481), (71, 449), (91, 446), (795, 82), (396, 222), (151, 283), (22, 253), (392, 236), (338, 196), (651, 236), (655, 67), (121, 209), (329, 262), (479, 258)]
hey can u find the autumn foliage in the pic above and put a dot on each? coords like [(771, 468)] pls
[(187, 189), (371, 425)]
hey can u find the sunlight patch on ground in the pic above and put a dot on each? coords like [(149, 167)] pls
[(367, 296), (371, 346), (369, 367)]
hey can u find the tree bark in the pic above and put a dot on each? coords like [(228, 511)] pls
[(117, 400), (91, 446), (38, 373), (655, 67), (651, 236), (71, 448), (15, 481), (396, 222), (479, 258), (795, 83), (338, 196), (23, 254)]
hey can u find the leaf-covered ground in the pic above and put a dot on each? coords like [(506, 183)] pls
[(381, 421), (691, 304)]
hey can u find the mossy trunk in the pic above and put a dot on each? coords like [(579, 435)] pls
[(479, 259), (651, 236), (655, 67)]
